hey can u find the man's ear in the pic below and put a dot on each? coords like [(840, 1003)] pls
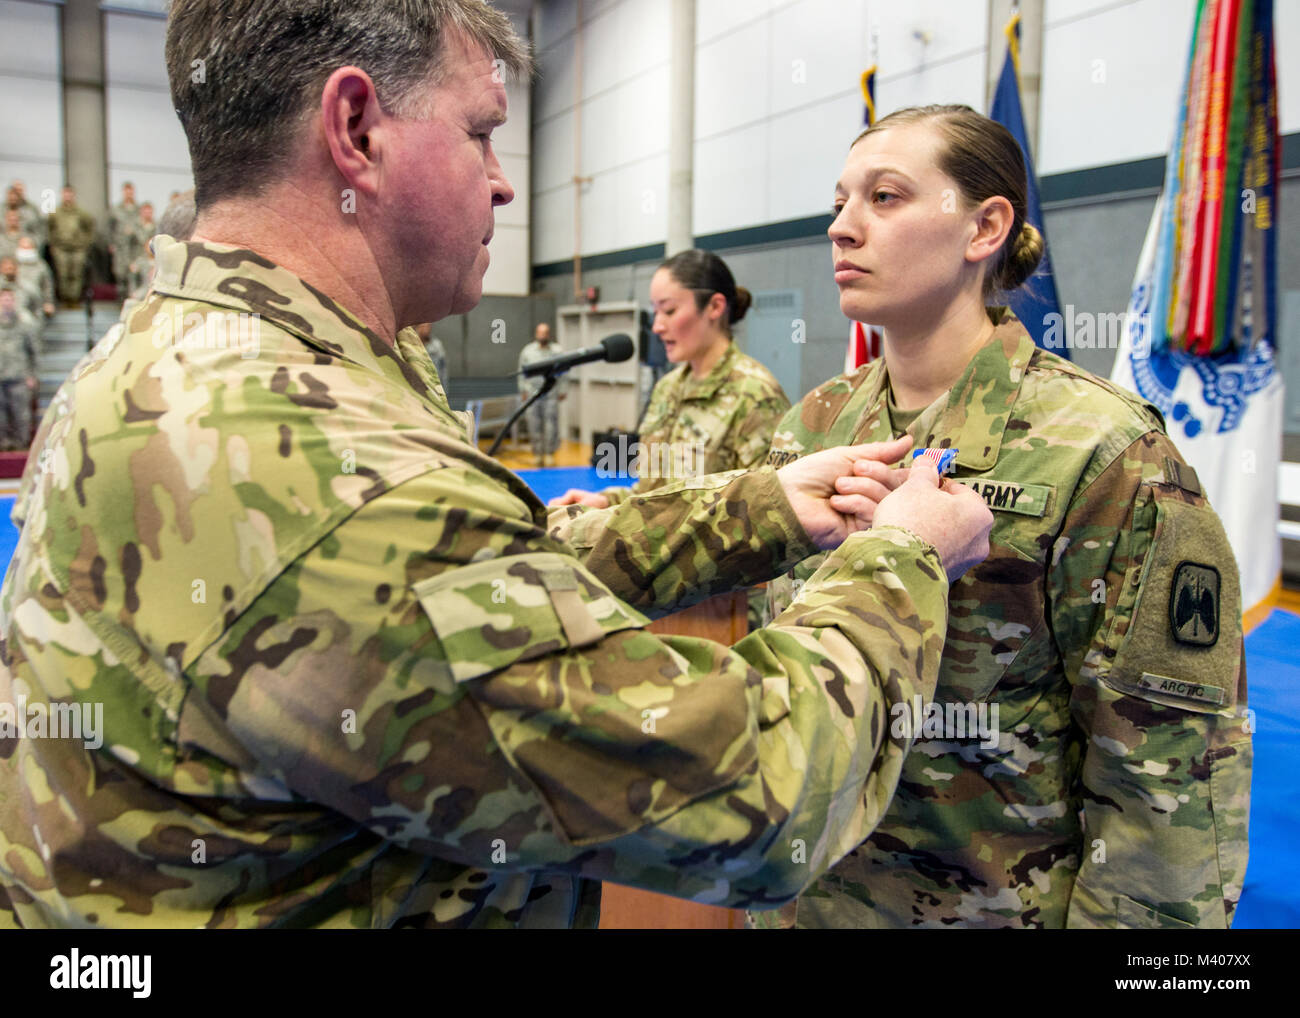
[(350, 117), (992, 221)]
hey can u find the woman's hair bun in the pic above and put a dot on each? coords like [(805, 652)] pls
[(743, 300)]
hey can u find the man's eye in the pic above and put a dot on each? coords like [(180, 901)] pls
[(883, 194)]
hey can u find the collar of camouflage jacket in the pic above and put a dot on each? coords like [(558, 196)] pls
[(973, 414), (707, 387), (244, 281)]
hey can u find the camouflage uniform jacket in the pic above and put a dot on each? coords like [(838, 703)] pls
[(71, 228), (19, 339), (1118, 791), (692, 426), (532, 353), (346, 676)]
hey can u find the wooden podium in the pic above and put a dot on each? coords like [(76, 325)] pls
[(722, 619)]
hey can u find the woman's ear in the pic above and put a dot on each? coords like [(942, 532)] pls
[(716, 310), (993, 220)]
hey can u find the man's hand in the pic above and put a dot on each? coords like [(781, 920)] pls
[(949, 516), (576, 496), (830, 499)]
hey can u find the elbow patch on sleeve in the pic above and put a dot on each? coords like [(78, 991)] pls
[(1175, 638), (496, 613)]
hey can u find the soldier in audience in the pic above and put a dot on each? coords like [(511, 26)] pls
[(29, 297), (122, 222), (32, 221), (72, 231), (17, 370), (33, 272)]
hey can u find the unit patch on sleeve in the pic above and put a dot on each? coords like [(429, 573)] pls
[(1194, 604)]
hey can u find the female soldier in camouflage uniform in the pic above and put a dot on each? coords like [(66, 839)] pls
[(1097, 650), (718, 409)]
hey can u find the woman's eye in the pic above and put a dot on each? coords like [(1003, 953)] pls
[(886, 195), (836, 209)]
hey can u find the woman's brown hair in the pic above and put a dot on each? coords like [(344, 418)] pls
[(985, 160)]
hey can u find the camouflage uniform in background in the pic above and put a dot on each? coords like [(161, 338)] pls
[(37, 276), (350, 678), (1106, 626), (34, 224), (72, 232), (123, 232), (19, 339), (544, 415), (723, 421)]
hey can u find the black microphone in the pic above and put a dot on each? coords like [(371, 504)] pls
[(615, 348)]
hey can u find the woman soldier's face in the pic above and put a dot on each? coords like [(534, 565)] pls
[(687, 331), (902, 232)]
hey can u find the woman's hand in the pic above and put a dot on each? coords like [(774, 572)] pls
[(576, 496)]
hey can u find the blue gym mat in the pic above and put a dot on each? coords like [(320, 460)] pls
[(1269, 899)]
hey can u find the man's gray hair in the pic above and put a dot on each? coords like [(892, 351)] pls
[(246, 74), (178, 218)]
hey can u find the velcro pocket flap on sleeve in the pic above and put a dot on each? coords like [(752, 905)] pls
[(1167, 639), (492, 614)]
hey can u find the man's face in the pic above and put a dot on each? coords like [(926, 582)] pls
[(146, 213), (69, 196), (12, 198), (11, 220), (8, 269), (128, 194), (7, 305), (440, 183), (543, 334)]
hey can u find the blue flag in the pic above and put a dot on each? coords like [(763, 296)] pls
[(1036, 299)]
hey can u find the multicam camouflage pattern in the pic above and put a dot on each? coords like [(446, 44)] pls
[(19, 338), (123, 234), (723, 421), (349, 679), (1109, 800)]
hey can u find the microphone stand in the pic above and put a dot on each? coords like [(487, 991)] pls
[(552, 377)]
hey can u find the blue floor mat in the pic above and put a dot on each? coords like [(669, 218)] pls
[(1270, 899)]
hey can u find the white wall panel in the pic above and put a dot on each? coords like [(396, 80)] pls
[(552, 238), (133, 51), (802, 175), (516, 213), (641, 202), (31, 118), (508, 270), (954, 81), (731, 180), (819, 50), (954, 30), (513, 137), (29, 43), (717, 17), (625, 40), (553, 154), (1111, 84), (627, 123), (553, 87), (1286, 45), (733, 79)]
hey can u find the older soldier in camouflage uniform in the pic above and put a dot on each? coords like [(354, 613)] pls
[(18, 341), (1102, 635), (346, 676), (544, 415)]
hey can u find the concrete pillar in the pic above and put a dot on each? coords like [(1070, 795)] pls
[(1031, 58), (681, 128), (84, 120)]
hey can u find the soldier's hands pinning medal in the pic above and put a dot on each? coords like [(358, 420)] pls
[(812, 485), (949, 516)]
